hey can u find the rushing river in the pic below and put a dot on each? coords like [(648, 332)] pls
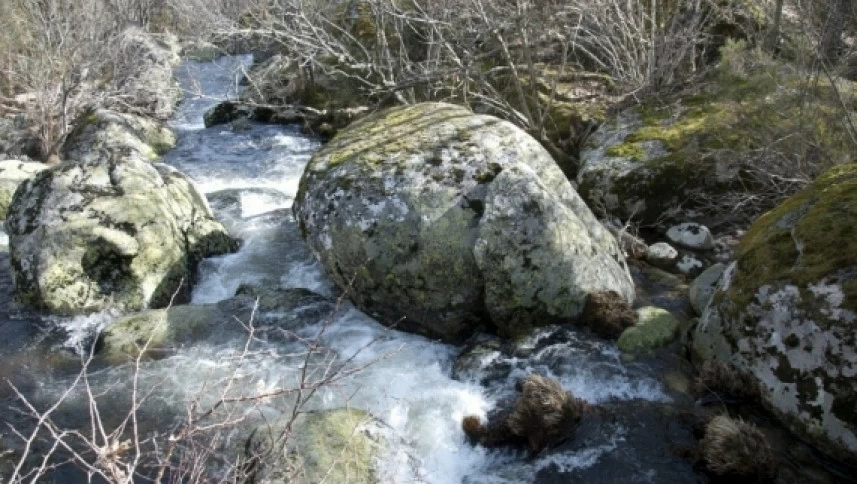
[(251, 175)]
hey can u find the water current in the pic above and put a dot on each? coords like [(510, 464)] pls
[(251, 174)]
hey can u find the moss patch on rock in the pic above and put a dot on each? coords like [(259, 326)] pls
[(786, 311), (752, 115), (655, 327), (331, 445), (809, 238)]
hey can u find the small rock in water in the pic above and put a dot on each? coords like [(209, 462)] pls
[(661, 254), (689, 264), (539, 417), (655, 327), (736, 448), (691, 235), (608, 314)]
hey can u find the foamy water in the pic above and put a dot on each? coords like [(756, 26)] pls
[(403, 379)]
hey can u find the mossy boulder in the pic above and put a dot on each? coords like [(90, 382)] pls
[(123, 233), (333, 446), (655, 328), (448, 219), (99, 132), (786, 311), (12, 174), (695, 155)]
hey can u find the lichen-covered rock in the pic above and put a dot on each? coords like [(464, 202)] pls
[(541, 252), (12, 174), (121, 233), (661, 254), (691, 235), (655, 327), (441, 217), (343, 445), (702, 288), (786, 312), (689, 264), (99, 132)]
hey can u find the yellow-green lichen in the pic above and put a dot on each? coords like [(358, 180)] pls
[(631, 150)]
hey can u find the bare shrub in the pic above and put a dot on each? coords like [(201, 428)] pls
[(206, 441)]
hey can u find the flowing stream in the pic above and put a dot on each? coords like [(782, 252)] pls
[(250, 174)]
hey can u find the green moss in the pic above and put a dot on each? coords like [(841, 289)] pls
[(324, 446), (803, 241), (630, 150), (655, 327)]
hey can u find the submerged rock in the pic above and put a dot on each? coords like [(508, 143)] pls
[(12, 174), (226, 112), (343, 445), (442, 217), (162, 331), (100, 131), (786, 311), (122, 233)]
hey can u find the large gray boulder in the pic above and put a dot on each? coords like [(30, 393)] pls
[(121, 233), (12, 174), (786, 312), (101, 131), (442, 217)]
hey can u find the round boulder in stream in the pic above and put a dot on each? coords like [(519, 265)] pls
[(434, 218), (121, 233)]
